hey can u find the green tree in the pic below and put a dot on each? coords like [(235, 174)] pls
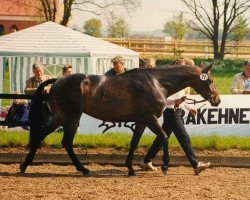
[(177, 27), (212, 15), (117, 27), (93, 27), (240, 29)]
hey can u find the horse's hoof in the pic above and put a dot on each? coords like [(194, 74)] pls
[(87, 173), (132, 173), (22, 168)]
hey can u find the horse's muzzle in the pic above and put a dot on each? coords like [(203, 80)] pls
[(215, 101)]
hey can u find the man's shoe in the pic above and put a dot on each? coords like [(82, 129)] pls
[(149, 167), (201, 167), (164, 169)]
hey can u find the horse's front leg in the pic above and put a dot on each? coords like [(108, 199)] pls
[(139, 128), (160, 140), (70, 129)]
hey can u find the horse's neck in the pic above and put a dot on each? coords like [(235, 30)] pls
[(175, 80)]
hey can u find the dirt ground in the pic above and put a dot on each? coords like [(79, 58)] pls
[(231, 152), (111, 182)]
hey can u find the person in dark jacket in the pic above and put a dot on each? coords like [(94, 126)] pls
[(18, 112), (118, 66)]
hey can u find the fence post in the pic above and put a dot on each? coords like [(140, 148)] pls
[(129, 44)]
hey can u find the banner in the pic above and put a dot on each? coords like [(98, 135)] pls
[(231, 117)]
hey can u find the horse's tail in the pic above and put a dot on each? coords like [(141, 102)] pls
[(35, 114)]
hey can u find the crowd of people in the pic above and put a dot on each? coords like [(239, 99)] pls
[(18, 112), (172, 115)]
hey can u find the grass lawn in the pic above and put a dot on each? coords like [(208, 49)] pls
[(122, 141), (223, 81)]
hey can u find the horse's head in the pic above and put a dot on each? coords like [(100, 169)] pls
[(205, 87)]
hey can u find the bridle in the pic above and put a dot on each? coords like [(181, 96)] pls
[(194, 101), (203, 77)]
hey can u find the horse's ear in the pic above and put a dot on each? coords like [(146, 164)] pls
[(205, 69)]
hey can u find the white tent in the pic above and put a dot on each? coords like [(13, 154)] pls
[(55, 45)]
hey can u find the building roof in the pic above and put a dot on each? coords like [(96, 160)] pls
[(52, 39), (19, 8)]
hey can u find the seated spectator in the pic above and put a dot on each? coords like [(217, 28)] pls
[(33, 82), (241, 81), (150, 63), (18, 112), (118, 66), (67, 70), (3, 112)]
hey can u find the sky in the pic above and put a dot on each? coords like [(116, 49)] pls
[(152, 15)]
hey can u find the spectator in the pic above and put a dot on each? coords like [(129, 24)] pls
[(183, 61), (33, 82), (3, 112), (67, 70), (241, 81), (173, 122), (18, 112), (150, 63), (118, 66)]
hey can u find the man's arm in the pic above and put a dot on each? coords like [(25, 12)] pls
[(29, 90), (235, 86)]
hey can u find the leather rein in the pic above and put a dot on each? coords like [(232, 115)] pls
[(194, 101)]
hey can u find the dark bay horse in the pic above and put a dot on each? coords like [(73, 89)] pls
[(136, 96)]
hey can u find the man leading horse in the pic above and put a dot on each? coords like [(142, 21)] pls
[(135, 96)]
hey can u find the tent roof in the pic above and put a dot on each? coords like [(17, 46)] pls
[(52, 39)]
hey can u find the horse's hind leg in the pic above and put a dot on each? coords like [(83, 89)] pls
[(33, 149), (133, 144), (70, 129), (29, 158)]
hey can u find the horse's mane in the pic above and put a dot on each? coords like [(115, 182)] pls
[(157, 68)]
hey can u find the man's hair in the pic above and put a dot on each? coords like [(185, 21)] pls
[(118, 59), (185, 61), (152, 60), (37, 65), (247, 63), (67, 66)]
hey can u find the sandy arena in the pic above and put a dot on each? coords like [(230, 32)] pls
[(110, 182)]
